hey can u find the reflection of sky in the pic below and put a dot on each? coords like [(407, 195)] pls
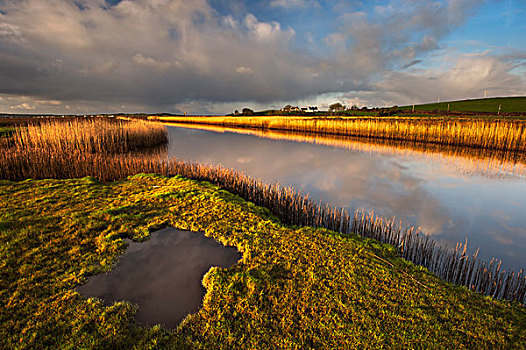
[(440, 199)]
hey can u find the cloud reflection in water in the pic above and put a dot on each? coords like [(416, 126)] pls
[(448, 194)]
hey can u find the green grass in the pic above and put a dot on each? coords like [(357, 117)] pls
[(490, 105), (6, 131), (295, 288)]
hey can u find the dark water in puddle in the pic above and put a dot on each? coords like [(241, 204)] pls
[(162, 275)]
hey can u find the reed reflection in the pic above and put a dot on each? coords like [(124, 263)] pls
[(451, 194), (491, 163)]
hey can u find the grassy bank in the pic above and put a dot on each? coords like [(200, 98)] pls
[(292, 207), (295, 288), (488, 105), (492, 134)]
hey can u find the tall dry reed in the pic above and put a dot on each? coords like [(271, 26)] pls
[(91, 135), (504, 135)]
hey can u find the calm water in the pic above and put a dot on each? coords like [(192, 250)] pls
[(162, 275), (449, 197)]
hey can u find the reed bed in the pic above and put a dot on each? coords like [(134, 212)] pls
[(88, 136), (495, 134), (95, 148), (291, 206)]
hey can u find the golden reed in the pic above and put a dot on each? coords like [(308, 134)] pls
[(89, 135), (504, 135)]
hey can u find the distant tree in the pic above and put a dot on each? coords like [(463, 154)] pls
[(247, 111), (382, 112), (336, 107)]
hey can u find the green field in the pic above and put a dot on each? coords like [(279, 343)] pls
[(295, 288), (489, 105), (5, 131)]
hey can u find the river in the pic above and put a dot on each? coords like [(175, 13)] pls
[(452, 195)]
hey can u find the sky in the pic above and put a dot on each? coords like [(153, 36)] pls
[(215, 56)]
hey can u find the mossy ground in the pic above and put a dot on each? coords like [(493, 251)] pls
[(295, 288)]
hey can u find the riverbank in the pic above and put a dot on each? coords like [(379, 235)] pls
[(490, 134), (20, 161), (294, 288)]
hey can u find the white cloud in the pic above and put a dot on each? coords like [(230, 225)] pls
[(267, 32), (230, 22), (244, 70), (23, 106), (153, 63), (99, 53), (9, 31), (101, 68), (335, 40)]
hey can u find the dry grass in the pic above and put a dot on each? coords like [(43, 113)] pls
[(504, 135), (91, 136)]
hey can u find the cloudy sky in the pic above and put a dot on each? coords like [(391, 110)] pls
[(214, 56)]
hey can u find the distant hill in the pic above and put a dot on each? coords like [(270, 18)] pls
[(491, 105)]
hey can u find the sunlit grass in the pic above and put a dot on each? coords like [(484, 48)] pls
[(488, 105), (295, 288), (5, 131)]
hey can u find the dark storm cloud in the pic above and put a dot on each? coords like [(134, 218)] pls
[(160, 53), (153, 52)]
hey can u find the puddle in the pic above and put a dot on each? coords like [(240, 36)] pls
[(162, 275)]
